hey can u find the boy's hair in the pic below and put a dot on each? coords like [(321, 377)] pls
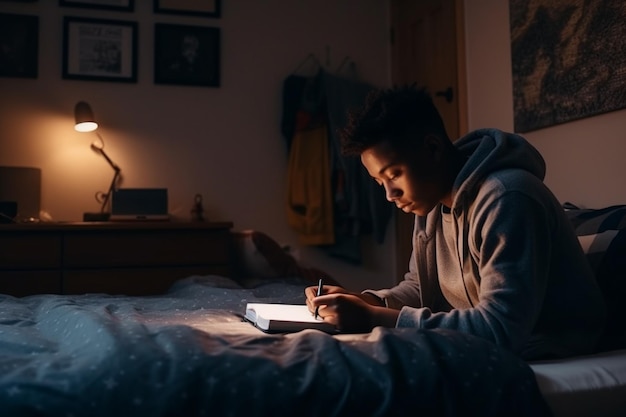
[(399, 115)]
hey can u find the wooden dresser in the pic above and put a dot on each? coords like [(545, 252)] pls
[(133, 258)]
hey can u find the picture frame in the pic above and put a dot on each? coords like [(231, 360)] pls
[(575, 73), (19, 41), (99, 49), (119, 5), (186, 55), (206, 8)]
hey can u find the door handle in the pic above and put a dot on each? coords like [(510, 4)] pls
[(447, 94)]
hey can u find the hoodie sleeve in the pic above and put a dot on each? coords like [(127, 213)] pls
[(405, 293), (510, 246)]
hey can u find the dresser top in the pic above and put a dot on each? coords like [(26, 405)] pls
[(118, 225)]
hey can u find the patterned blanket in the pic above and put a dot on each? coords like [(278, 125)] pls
[(189, 353)]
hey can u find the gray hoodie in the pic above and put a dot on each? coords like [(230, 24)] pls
[(504, 262)]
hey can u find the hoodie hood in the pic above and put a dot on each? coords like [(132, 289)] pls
[(490, 150)]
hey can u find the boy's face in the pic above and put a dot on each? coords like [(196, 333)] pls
[(411, 176)]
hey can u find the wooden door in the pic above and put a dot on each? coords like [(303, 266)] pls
[(428, 49)]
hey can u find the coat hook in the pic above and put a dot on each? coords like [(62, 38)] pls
[(448, 94)]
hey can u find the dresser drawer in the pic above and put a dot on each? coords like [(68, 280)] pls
[(30, 250), (21, 283), (146, 248), (131, 258)]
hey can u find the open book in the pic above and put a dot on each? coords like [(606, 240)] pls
[(284, 318)]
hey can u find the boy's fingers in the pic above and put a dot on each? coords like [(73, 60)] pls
[(322, 300)]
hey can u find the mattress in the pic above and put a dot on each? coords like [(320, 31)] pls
[(593, 385)]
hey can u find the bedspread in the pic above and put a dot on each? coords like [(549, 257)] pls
[(188, 353)]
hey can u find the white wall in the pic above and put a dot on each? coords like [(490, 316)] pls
[(585, 158), (224, 143)]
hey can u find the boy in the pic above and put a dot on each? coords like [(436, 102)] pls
[(493, 253)]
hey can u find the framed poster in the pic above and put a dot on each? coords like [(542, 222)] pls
[(99, 50), (207, 8), (19, 45), (186, 55), (568, 60), (121, 5)]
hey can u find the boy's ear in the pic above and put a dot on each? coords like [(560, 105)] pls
[(433, 143)]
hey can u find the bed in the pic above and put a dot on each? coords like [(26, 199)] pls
[(188, 352), (595, 385)]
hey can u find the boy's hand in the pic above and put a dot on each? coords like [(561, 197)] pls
[(348, 312), (311, 293), (352, 314)]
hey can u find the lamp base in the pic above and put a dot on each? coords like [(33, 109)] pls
[(96, 217)]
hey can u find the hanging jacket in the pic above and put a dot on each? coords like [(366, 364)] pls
[(309, 195), (319, 175), (361, 207)]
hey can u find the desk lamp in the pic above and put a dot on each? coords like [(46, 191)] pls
[(85, 122)]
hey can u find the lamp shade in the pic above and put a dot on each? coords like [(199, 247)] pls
[(85, 122)]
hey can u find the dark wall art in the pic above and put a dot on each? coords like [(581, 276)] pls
[(186, 55), (206, 8), (568, 60), (118, 5), (99, 49), (19, 45)]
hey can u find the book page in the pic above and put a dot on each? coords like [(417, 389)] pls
[(281, 312)]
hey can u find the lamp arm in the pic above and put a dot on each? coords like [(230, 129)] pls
[(107, 196), (117, 170), (100, 148)]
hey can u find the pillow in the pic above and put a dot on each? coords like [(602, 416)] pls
[(602, 235), (258, 257), (249, 260)]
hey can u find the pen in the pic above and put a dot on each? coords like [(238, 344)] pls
[(319, 292)]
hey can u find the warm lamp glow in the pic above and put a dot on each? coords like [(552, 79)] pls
[(85, 122), (86, 127)]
